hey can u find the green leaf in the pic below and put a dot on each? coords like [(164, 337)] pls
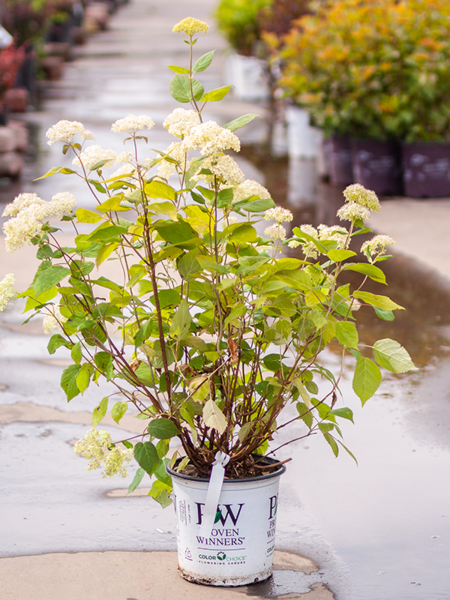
[(47, 276), (107, 233), (56, 341), (203, 62), (143, 333), (214, 417), (245, 430), (163, 429), (76, 353), (225, 198), (69, 381), (299, 280), (105, 252), (112, 204), (378, 301), (370, 270), (180, 88), (245, 233), (160, 190), (392, 356), (332, 442), (340, 255), (215, 95), (302, 391), (104, 362), (118, 411), (188, 265), (240, 122), (55, 170), (160, 492), (176, 233), (181, 321), (84, 377), (366, 379), (199, 388), (87, 216), (98, 186), (256, 205), (99, 164), (305, 414), (136, 480), (347, 334), (180, 70), (386, 315), (237, 312), (161, 473), (344, 413), (99, 411), (167, 298), (348, 451), (147, 457)]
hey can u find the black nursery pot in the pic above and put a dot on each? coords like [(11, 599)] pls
[(340, 160), (426, 169), (377, 166)]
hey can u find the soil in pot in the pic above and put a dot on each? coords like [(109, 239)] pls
[(239, 549), (426, 169), (377, 166)]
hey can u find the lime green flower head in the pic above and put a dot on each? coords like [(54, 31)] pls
[(191, 26)]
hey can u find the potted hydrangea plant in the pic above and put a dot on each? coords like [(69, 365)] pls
[(208, 333)]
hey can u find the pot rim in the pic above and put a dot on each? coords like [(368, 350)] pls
[(266, 460)]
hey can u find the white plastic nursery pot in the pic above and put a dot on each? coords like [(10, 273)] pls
[(303, 140), (240, 548), (247, 74)]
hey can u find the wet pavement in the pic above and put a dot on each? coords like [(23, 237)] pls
[(376, 531)]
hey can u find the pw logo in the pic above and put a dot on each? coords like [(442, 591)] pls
[(224, 513)]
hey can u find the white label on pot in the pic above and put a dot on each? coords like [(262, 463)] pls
[(239, 547)]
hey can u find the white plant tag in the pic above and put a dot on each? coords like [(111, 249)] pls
[(213, 494)]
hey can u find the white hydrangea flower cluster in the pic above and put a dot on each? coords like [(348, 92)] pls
[(93, 155), (181, 122), (126, 172), (360, 202), (20, 203), (191, 26), (358, 194), (309, 249), (276, 232), (132, 124), (210, 138), (336, 234), (278, 214), (31, 212), (54, 320), (97, 448), (353, 212), (166, 168), (7, 291), (249, 188), (377, 245), (223, 167), (64, 131), (62, 205)]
